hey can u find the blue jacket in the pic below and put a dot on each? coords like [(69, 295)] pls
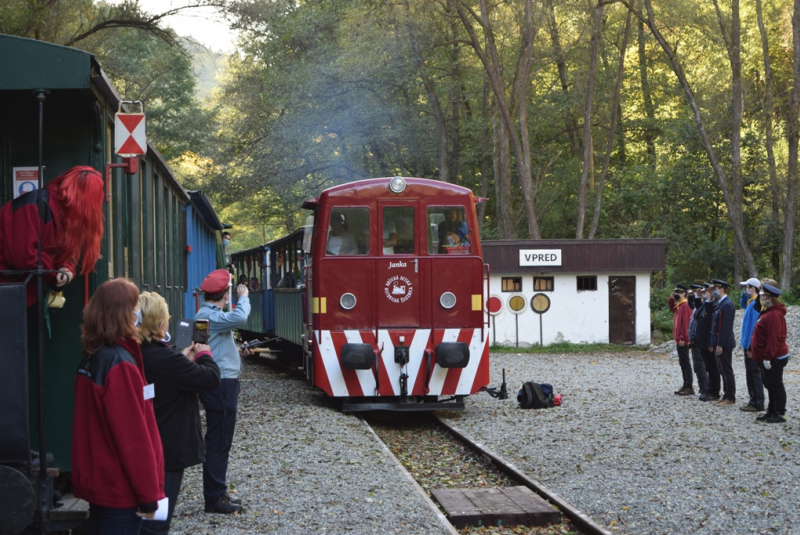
[(220, 327), (722, 325), (749, 320)]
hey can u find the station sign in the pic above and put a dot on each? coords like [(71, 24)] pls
[(130, 135), (25, 179), (539, 257)]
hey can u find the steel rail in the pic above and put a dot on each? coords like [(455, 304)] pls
[(578, 518)]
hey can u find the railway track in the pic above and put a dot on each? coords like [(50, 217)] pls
[(437, 454)]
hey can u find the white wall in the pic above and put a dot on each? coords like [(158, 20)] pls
[(577, 317)]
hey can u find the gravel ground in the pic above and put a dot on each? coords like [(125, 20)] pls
[(637, 458), (301, 466)]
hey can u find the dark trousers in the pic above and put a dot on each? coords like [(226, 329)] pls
[(700, 370), (113, 521), (725, 363), (220, 405), (712, 370), (686, 366), (773, 382), (172, 486), (755, 386)]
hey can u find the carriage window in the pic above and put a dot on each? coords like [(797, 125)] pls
[(448, 232), (348, 232), (398, 230)]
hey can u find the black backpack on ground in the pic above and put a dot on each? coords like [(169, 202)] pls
[(536, 396)]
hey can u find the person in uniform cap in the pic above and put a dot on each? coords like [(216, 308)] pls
[(768, 348), (221, 404), (697, 357), (704, 319), (755, 387), (680, 333), (723, 340)]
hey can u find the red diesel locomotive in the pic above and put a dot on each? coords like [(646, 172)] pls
[(393, 295)]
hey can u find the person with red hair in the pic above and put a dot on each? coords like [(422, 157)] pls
[(72, 228), (117, 457)]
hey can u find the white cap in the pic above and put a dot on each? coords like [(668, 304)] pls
[(752, 281)]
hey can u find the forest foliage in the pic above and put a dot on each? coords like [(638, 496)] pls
[(576, 119)]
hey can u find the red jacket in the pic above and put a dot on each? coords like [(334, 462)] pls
[(19, 237), (680, 330), (117, 460), (769, 337)]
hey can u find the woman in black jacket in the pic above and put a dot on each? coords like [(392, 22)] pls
[(178, 377)]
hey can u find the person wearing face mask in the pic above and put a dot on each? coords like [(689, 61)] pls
[(703, 329), (769, 349), (221, 404), (755, 386), (226, 239), (697, 357), (680, 333), (177, 376), (723, 340)]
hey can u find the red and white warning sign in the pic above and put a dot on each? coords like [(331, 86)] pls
[(130, 136)]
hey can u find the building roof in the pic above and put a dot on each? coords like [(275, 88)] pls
[(579, 256), (204, 208)]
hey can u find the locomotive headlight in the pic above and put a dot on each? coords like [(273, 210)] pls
[(398, 184), (447, 300), (348, 301)]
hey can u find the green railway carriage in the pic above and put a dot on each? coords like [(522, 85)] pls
[(58, 102)]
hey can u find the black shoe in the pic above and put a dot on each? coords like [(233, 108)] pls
[(764, 416), (776, 419), (709, 397), (223, 506), (233, 499)]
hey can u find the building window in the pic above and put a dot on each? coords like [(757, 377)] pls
[(512, 284), (543, 284), (587, 283)]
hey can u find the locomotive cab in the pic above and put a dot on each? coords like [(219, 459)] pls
[(396, 295)]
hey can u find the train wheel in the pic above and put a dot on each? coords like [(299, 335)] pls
[(17, 501)]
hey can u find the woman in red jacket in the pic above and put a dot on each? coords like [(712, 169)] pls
[(117, 460), (769, 349), (72, 226)]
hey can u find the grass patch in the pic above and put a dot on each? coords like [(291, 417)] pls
[(568, 347)]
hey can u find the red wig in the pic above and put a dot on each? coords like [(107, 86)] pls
[(79, 192)]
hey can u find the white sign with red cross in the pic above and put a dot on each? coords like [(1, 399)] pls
[(130, 137)]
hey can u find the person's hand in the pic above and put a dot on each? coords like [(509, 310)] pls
[(199, 348), (148, 516), (64, 276), (767, 365), (246, 352), (710, 349), (189, 352), (718, 351), (242, 290), (681, 343)]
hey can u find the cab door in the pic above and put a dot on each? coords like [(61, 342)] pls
[(399, 293)]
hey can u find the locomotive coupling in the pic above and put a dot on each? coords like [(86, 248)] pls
[(401, 355)]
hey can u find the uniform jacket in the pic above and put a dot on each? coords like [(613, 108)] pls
[(749, 319), (117, 459), (722, 328), (19, 236), (177, 381), (769, 336), (702, 332), (220, 327), (680, 330)]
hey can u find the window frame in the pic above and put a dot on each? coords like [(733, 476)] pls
[(516, 281), (550, 284), (583, 278)]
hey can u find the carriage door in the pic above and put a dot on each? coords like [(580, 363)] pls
[(398, 288), (622, 310)]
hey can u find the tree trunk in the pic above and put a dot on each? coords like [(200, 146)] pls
[(649, 108), (791, 178), (484, 156), (588, 153), (570, 124), (612, 127), (722, 179), (502, 181)]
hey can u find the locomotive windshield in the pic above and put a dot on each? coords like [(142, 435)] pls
[(348, 233), (448, 230), (398, 230)]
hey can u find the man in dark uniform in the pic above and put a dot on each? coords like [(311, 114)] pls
[(703, 342), (723, 341), (696, 302)]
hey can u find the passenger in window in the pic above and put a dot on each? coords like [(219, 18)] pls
[(389, 235), (340, 239), (452, 225)]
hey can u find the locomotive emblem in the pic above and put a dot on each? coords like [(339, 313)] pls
[(398, 289)]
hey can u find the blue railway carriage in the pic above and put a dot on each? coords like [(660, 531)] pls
[(58, 103)]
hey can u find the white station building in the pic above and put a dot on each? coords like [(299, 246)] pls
[(579, 291)]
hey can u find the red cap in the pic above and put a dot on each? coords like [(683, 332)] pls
[(216, 282)]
